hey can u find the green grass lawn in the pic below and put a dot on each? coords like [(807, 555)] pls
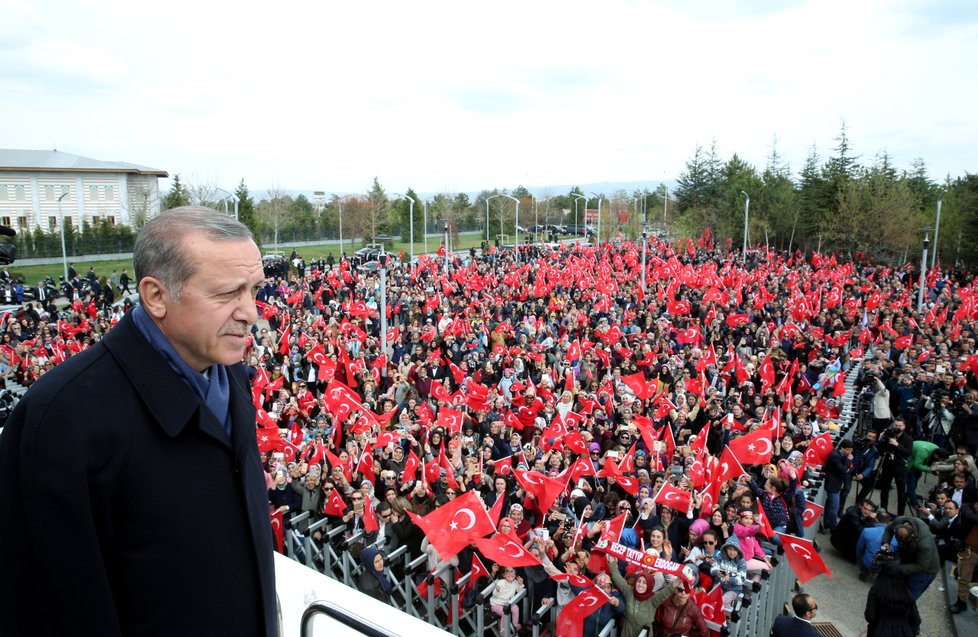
[(34, 273)]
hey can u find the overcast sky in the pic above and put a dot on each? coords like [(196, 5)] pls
[(461, 96)]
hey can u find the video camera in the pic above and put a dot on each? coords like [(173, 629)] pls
[(8, 251)]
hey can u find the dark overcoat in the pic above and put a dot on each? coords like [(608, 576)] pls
[(125, 509)]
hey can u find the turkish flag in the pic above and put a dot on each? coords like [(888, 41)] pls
[(570, 622), (574, 351), (283, 343), (410, 467), (450, 419), (334, 505), (453, 525), (821, 446), (677, 308), (903, 342), (673, 497), (581, 467), (277, 525), (736, 320), (642, 388), (503, 466), (767, 374), (267, 438), (544, 488), (753, 448), (505, 550), (812, 513), (839, 386), (689, 336), (369, 516), (711, 607), (366, 466), (802, 557), (729, 466)]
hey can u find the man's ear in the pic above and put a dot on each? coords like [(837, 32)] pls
[(153, 296)]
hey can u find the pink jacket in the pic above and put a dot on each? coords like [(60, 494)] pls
[(748, 541)]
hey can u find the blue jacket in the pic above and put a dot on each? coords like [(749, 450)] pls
[(868, 545)]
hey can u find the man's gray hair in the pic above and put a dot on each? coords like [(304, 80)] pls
[(159, 250)]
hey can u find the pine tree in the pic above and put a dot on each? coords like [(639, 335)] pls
[(246, 210), (177, 196)]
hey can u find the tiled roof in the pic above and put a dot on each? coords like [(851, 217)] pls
[(54, 160)]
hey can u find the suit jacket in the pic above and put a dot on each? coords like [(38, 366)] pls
[(791, 626), (127, 509)]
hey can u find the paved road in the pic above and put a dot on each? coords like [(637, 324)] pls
[(842, 599)]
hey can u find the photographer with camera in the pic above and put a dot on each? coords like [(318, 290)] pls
[(895, 449), (864, 459), (965, 427), (936, 422), (917, 550)]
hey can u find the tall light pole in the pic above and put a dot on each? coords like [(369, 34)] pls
[(383, 307), (577, 198), (746, 214), (410, 221), (446, 249), (937, 230), (425, 232), (665, 203), (229, 195), (516, 244), (600, 198), (923, 270), (61, 223), (487, 217), (536, 216), (339, 205), (645, 243)]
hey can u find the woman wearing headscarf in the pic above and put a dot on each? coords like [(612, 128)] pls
[(890, 608), (373, 581), (641, 601)]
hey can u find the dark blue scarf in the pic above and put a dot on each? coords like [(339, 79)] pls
[(213, 388)]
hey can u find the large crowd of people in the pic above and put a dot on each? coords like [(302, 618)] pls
[(589, 405)]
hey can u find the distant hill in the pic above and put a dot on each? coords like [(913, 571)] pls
[(604, 187)]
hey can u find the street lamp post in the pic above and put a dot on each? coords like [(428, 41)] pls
[(665, 204), (746, 214), (61, 223), (410, 221), (600, 199), (425, 232), (487, 217), (577, 198), (937, 230), (231, 196), (383, 307), (446, 248), (645, 243), (923, 270)]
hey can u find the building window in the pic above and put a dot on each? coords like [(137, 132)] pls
[(5, 221), (22, 221), (49, 192), (95, 221), (19, 193), (53, 223), (68, 223), (109, 193), (111, 220), (93, 193), (3, 192)]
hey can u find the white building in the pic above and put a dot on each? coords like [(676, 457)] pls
[(32, 182)]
